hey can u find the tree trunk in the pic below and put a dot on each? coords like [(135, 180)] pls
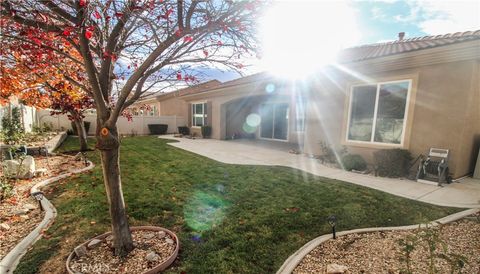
[(82, 134), (108, 144)]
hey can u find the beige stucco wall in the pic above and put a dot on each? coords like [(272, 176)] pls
[(443, 113), (222, 100), (173, 106)]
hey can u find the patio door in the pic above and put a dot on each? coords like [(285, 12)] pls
[(274, 123)]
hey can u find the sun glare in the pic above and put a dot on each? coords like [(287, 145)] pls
[(299, 37)]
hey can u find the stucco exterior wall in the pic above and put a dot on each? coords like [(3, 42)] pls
[(443, 113), (173, 106), (232, 105)]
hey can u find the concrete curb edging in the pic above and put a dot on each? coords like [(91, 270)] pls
[(56, 141), (11, 260), (292, 261)]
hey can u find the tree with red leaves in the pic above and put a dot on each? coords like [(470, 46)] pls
[(128, 47), (28, 74)]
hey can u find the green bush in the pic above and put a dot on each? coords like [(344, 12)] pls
[(158, 129), (331, 154), (184, 130), (354, 162), (206, 131), (12, 129), (392, 162)]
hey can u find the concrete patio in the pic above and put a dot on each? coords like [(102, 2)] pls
[(464, 193)]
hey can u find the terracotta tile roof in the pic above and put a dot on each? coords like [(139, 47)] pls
[(405, 45)]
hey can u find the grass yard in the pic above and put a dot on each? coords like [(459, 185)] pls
[(229, 218)]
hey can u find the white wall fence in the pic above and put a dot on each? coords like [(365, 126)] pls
[(139, 124)]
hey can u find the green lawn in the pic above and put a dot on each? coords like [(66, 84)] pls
[(230, 218)]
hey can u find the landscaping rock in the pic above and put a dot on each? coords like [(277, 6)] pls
[(80, 251), (30, 206), (162, 234), (94, 243), (148, 236), (169, 241), (11, 168), (28, 167), (4, 226), (41, 172), (22, 211), (336, 269), (152, 257)]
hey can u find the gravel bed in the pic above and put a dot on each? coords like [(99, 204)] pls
[(100, 259), (20, 213), (381, 252)]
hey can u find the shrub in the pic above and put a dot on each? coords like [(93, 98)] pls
[(354, 162), (392, 162), (12, 129), (206, 131), (85, 124), (157, 129), (330, 154), (184, 130)]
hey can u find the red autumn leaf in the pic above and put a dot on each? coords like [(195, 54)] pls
[(179, 75), (178, 33), (88, 34), (97, 15), (37, 41), (119, 14), (219, 43), (187, 39), (66, 32), (205, 53), (91, 28), (82, 3)]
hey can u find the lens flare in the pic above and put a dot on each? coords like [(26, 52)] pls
[(270, 88), (204, 211), (253, 120)]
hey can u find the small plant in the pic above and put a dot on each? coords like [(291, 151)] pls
[(184, 130), (407, 246), (330, 154), (354, 162), (12, 129), (6, 188), (392, 162), (206, 131), (429, 238)]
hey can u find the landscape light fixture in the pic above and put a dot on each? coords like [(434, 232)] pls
[(39, 197), (332, 221)]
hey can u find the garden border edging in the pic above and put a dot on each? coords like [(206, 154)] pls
[(291, 262), (11, 260)]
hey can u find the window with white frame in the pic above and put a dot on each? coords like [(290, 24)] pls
[(199, 114), (377, 112), (300, 106)]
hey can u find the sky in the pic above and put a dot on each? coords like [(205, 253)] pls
[(373, 21)]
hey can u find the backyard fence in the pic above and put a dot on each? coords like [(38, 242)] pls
[(138, 125)]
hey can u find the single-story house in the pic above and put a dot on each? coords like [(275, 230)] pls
[(169, 103), (413, 94)]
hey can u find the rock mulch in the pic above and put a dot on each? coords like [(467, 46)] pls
[(20, 213), (151, 249), (381, 252)]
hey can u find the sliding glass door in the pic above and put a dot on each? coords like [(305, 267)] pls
[(274, 123)]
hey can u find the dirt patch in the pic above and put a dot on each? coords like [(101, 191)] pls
[(382, 252), (20, 213), (151, 249)]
